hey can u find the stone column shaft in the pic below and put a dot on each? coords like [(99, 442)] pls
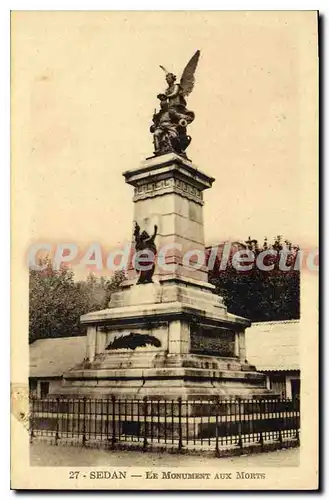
[(91, 343), (240, 346), (179, 337)]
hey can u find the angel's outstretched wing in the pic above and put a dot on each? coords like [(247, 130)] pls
[(187, 80)]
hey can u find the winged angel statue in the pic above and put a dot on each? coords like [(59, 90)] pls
[(170, 122)]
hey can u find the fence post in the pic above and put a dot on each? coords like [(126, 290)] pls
[(283, 416), (217, 413), (180, 430), (113, 421), (145, 423), (262, 415), (84, 421), (107, 418), (57, 421), (31, 411), (151, 421), (240, 424), (296, 409)]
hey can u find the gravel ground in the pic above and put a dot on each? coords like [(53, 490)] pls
[(42, 454)]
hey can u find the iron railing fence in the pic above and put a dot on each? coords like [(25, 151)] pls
[(214, 424)]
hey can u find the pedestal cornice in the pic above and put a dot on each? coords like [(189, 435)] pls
[(168, 166)]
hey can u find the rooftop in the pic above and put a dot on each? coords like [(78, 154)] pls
[(274, 345), (53, 357)]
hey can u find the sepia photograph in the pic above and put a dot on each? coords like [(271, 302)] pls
[(164, 250)]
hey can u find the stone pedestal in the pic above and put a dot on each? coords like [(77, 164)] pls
[(168, 192), (173, 337)]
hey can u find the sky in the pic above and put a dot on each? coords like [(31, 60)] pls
[(84, 88)]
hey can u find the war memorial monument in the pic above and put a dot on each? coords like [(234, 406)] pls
[(166, 333)]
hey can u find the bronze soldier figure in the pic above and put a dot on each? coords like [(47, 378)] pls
[(143, 241)]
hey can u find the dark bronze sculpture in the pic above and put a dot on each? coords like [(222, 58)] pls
[(170, 123), (143, 241), (132, 341)]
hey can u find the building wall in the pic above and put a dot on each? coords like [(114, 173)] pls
[(39, 385), (293, 385), (284, 383)]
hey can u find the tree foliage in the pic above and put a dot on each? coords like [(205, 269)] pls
[(261, 295), (56, 300)]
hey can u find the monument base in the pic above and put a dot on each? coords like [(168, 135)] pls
[(167, 382), (165, 340)]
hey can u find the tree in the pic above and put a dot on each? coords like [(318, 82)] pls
[(56, 300), (96, 292), (261, 295)]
